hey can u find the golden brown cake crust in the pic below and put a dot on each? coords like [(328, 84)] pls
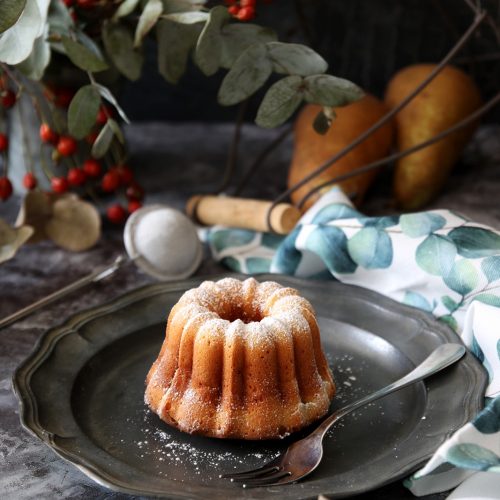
[(241, 359)]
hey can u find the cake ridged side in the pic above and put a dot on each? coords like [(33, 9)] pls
[(252, 380)]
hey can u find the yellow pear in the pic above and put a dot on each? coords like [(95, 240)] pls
[(312, 149), (445, 101)]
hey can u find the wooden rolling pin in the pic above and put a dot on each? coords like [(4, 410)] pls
[(243, 213)]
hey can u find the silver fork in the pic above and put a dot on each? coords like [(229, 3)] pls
[(304, 456)]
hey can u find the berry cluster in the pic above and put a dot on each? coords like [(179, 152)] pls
[(68, 172), (244, 10)]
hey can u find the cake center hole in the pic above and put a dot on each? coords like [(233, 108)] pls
[(244, 313)]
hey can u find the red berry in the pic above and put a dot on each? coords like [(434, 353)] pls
[(105, 112), (5, 188), (110, 181), (66, 146), (8, 99), (125, 173), (248, 3), (134, 205), (47, 134), (91, 137), (246, 13), (134, 192), (76, 176), (116, 214), (29, 181), (62, 96), (86, 4), (68, 3), (4, 142), (59, 184), (92, 168), (233, 10)]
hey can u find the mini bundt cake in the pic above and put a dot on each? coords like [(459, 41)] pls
[(240, 360)]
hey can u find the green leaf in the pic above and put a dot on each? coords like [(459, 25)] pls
[(449, 303), (248, 74), (472, 456), (17, 42), (488, 298), (295, 59), (324, 120), (491, 268), (463, 277), (474, 242), (417, 300), (280, 102), (119, 46), (10, 11), (330, 243), (371, 248), (82, 57), (175, 41), (222, 239), (149, 16), (329, 90), (236, 38), (126, 8), (34, 66), (173, 6), (449, 320), (421, 224), (258, 265), (103, 141), (83, 111), (11, 239), (106, 94), (188, 17), (116, 130), (209, 46), (436, 254), (59, 19)]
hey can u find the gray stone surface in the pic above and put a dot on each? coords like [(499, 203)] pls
[(172, 162)]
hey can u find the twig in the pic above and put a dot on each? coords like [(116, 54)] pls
[(366, 168), (261, 158), (232, 158)]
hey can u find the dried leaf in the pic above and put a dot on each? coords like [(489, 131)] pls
[(11, 239), (35, 211), (106, 94), (103, 141), (75, 224), (125, 8), (10, 11), (295, 59)]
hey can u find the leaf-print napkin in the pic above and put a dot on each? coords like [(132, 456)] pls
[(437, 261)]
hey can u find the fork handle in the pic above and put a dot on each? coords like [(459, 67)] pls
[(440, 358)]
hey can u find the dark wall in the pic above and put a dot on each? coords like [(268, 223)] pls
[(363, 40)]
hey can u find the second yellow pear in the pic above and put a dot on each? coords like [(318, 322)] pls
[(450, 97)]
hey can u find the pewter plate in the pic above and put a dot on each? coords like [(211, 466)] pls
[(81, 392)]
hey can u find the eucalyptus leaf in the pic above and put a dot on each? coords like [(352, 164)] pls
[(103, 141), (82, 57), (10, 11), (421, 224), (415, 299), (491, 268), (149, 17), (59, 19), (280, 102), (249, 72), (208, 49), (83, 111), (175, 42), (295, 59), (84, 39), (475, 242), (174, 6), (236, 38), (11, 239), (119, 46), (436, 254), (17, 42), (371, 248), (116, 130), (125, 8), (463, 277), (106, 94), (34, 66), (188, 17), (329, 90)]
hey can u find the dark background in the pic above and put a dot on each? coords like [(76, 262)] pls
[(365, 41)]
